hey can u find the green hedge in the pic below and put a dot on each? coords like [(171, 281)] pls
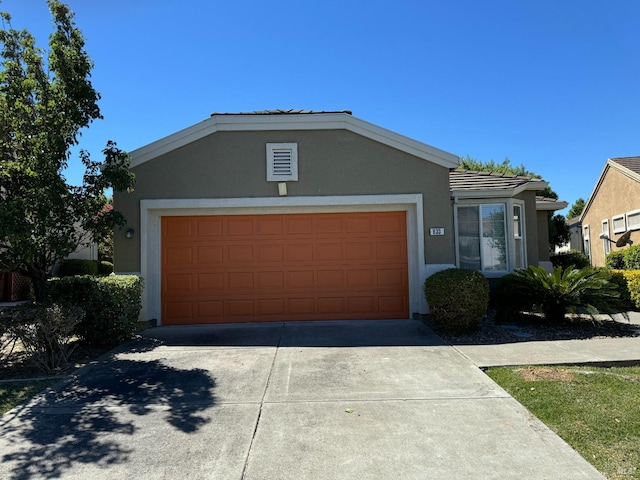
[(615, 260), (633, 284), (112, 305), (632, 258), (573, 257), (457, 298), (74, 266)]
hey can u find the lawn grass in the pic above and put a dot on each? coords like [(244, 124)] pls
[(15, 393), (595, 410)]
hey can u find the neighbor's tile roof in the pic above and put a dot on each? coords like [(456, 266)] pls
[(470, 180), (283, 112), (630, 163)]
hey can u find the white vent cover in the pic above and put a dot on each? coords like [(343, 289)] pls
[(282, 162)]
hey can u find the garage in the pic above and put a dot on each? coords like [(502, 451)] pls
[(278, 267)]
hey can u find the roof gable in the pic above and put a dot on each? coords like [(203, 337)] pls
[(628, 166), (292, 120)]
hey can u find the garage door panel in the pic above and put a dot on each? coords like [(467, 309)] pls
[(270, 253), (239, 254), (299, 252), (178, 255), (239, 226), (209, 226), (284, 267), (302, 279), (210, 254), (330, 279), (269, 280), (211, 283)]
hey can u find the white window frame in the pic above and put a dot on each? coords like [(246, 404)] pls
[(606, 244), (272, 175), (613, 223), (522, 237), (508, 204), (636, 225), (586, 240)]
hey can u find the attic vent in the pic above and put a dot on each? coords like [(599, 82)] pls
[(282, 162)]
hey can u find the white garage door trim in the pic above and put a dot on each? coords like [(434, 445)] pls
[(152, 211)]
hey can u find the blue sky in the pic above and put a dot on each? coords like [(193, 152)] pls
[(549, 84)]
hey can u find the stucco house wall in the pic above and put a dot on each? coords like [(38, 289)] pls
[(616, 194), (331, 163)]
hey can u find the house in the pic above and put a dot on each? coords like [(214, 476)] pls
[(291, 215), (612, 209)]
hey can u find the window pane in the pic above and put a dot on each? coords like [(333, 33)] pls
[(606, 244), (517, 233), (494, 244), (619, 225), (469, 238), (633, 221)]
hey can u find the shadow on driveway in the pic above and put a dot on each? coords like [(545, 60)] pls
[(82, 420)]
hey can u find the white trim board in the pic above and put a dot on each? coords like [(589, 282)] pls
[(152, 211), (315, 121)]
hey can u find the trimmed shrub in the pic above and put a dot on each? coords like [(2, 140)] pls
[(615, 260), (105, 268), (617, 277), (632, 258), (75, 266), (573, 257), (457, 298), (112, 305), (632, 278)]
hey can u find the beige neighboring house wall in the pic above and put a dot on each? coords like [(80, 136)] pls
[(616, 196)]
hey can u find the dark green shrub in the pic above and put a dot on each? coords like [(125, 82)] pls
[(632, 258), (571, 290), (457, 299), (105, 268), (615, 260), (76, 266), (510, 298), (633, 286), (112, 305), (624, 302), (573, 257)]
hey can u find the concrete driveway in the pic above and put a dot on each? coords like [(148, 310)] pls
[(317, 400)]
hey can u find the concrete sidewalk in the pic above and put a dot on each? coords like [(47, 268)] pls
[(307, 400), (604, 351)]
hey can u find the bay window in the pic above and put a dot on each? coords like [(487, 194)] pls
[(490, 237)]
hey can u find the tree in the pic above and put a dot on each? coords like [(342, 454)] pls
[(559, 233), (43, 107), (504, 168), (576, 209)]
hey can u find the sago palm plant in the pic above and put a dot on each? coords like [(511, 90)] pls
[(568, 290)]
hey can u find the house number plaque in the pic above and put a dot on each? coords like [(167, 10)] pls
[(437, 231)]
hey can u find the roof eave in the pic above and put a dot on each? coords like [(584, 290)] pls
[(302, 121)]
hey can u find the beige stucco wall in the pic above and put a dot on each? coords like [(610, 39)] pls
[(330, 162), (617, 194)]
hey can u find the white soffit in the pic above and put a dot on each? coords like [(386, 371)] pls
[(313, 121)]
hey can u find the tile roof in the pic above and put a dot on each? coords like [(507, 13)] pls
[(471, 180), (630, 163), (284, 112)]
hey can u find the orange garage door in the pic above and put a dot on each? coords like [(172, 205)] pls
[(243, 268)]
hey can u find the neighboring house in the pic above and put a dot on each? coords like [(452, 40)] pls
[(311, 215), (612, 209), (575, 235)]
